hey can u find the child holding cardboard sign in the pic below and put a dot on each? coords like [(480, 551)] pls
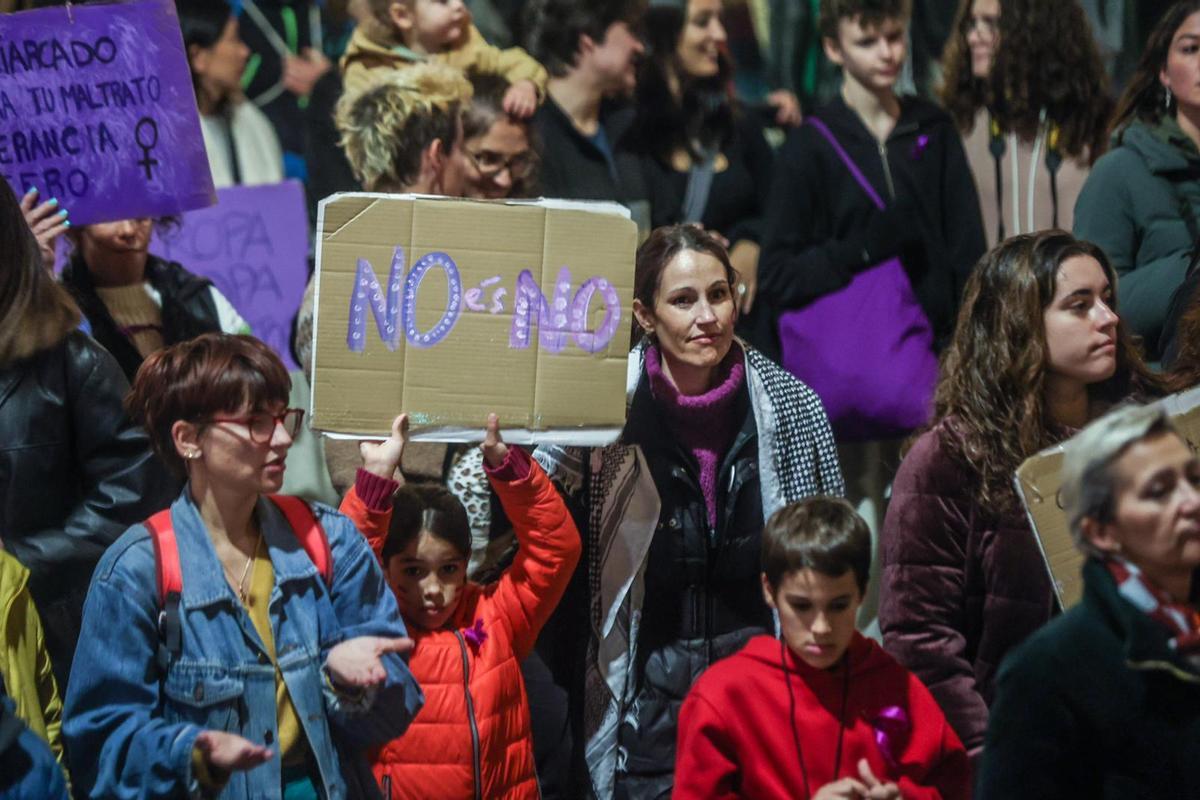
[(400, 33), (470, 639)]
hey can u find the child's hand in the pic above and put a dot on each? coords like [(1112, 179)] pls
[(493, 447), (47, 221), (521, 99), (383, 458), (355, 663), (876, 789), (845, 789)]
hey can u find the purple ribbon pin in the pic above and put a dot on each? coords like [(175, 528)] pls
[(475, 634), (892, 726), (918, 148)]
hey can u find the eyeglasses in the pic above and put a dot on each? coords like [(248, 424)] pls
[(261, 426), (988, 25), (490, 163)]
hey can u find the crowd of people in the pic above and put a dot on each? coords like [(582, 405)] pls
[(871, 283)]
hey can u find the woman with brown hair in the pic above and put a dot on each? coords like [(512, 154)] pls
[(74, 470), (1038, 352), (716, 439), (1142, 201), (260, 648), (1026, 87)]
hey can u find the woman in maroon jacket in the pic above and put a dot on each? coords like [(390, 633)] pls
[(1038, 351)]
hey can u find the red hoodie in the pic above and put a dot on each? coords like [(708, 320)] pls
[(735, 737)]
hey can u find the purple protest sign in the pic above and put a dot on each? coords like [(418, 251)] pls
[(253, 244), (97, 110)]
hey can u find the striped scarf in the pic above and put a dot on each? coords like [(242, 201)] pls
[(1182, 620)]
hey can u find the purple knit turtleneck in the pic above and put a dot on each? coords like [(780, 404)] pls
[(703, 423)]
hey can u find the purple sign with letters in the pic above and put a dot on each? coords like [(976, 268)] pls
[(253, 245), (97, 110)]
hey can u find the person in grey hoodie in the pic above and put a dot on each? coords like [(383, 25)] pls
[(1141, 203)]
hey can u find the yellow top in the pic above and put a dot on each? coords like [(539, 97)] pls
[(290, 741), (293, 748)]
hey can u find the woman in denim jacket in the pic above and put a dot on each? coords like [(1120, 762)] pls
[(279, 679)]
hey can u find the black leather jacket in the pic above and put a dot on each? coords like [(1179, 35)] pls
[(188, 308), (703, 596), (75, 472)]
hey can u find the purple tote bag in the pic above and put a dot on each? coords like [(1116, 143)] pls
[(866, 349)]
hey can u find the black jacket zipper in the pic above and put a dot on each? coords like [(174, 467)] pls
[(475, 757)]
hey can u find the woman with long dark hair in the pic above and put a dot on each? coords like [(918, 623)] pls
[(243, 148), (74, 470), (1038, 352), (1141, 203), (1027, 90), (704, 158)]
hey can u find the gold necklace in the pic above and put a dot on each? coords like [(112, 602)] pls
[(241, 583)]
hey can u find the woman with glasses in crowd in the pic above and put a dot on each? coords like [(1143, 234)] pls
[(498, 147), (267, 666)]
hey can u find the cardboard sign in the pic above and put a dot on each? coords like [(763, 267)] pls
[(253, 245), (449, 309), (97, 110), (1038, 482)]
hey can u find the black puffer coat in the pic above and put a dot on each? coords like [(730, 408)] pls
[(188, 308), (703, 596), (74, 474)]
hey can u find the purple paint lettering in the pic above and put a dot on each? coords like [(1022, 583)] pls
[(555, 322), (594, 342), (454, 299), (368, 294), (532, 308)]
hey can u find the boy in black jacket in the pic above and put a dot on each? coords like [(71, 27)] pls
[(821, 228)]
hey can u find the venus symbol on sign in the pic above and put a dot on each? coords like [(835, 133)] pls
[(147, 162)]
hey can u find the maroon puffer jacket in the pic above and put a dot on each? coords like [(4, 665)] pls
[(962, 585)]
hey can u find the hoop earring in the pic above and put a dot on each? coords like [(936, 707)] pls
[(1167, 98)]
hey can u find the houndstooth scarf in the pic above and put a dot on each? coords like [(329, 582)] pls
[(797, 459)]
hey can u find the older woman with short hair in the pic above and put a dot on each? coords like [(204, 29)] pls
[(1105, 700)]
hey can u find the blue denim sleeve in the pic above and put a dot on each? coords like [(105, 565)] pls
[(117, 747), (365, 606)]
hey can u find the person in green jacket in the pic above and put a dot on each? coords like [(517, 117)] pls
[(1141, 203), (1105, 700)]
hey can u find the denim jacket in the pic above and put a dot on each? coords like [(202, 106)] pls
[(130, 729)]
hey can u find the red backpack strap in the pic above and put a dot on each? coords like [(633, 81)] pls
[(168, 576), (169, 582), (309, 531)]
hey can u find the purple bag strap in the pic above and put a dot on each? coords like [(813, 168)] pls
[(848, 161)]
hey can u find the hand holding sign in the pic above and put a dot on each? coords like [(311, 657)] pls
[(47, 221)]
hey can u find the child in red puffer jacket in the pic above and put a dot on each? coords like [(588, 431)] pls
[(472, 738)]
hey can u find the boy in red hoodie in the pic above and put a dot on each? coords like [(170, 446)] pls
[(822, 712)]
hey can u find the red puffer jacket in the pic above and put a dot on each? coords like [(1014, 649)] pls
[(472, 738)]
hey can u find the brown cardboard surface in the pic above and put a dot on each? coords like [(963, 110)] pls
[(1038, 481), (448, 386)]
